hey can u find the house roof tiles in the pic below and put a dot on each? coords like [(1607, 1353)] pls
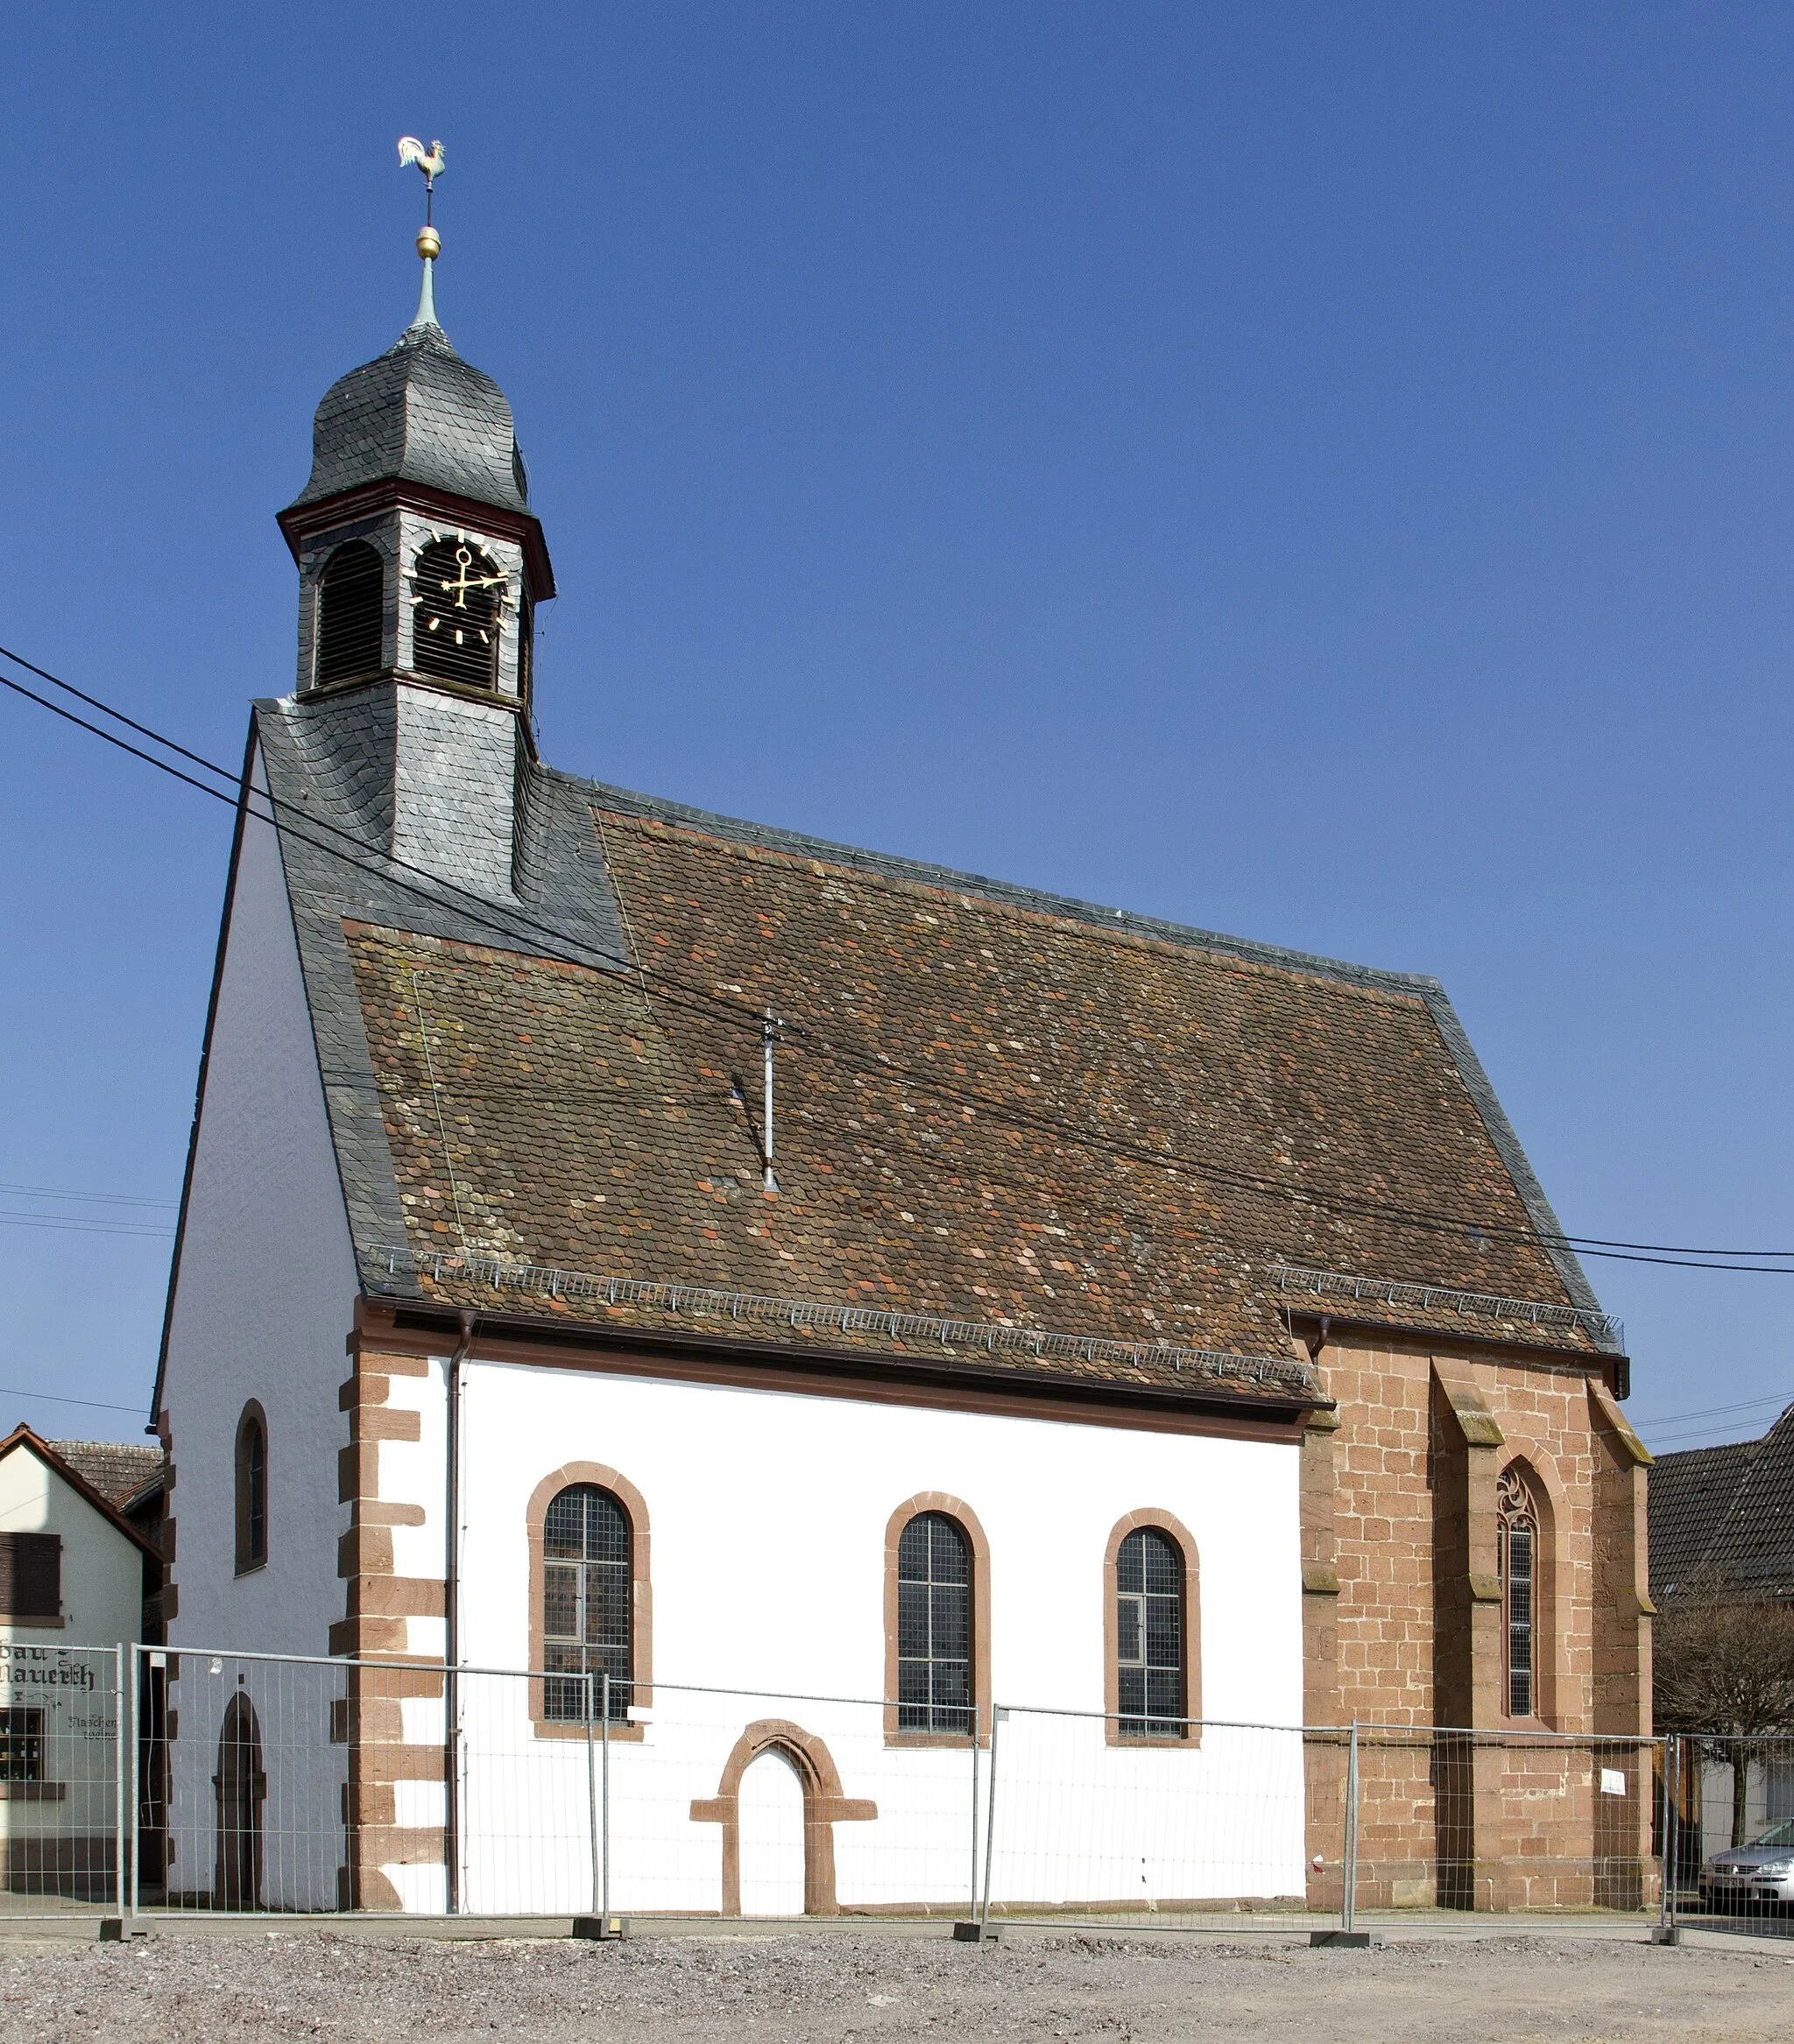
[(117, 1470), (1724, 1515)]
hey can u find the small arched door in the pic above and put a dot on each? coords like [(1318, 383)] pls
[(773, 1815), (241, 1787)]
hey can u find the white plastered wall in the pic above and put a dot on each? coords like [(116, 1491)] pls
[(768, 1514), (265, 1296)]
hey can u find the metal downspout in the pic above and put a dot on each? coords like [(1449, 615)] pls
[(451, 1619)]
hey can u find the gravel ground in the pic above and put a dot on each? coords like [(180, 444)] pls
[(840, 1988)]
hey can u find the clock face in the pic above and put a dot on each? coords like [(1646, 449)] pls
[(459, 596)]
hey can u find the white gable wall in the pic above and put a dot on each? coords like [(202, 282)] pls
[(102, 1572), (68, 1675), (265, 1296)]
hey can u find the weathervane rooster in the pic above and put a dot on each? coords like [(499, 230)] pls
[(429, 242), (429, 161)]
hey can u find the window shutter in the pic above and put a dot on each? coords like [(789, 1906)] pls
[(30, 1576)]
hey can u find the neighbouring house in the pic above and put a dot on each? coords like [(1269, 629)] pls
[(80, 1570), (1722, 1525), (771, 1263)]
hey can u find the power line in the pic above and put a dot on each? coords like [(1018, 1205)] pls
[(56, 1398), (1777, 1398), (51, 1191), (85, 1224), (1610, 1249)]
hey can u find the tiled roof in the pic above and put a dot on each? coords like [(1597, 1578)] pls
[(117, 1470), (417, 413), (995, 1106), (1725, 1516)]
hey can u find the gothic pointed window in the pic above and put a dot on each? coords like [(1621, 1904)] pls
[(251, 1489), (1149, 1636), (934, 1626), (350, 614), (1517, 1548), (458, 600), (587, 1550)]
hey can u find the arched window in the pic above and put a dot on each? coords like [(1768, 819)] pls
[(587, 1545), (251, 1489), (1517, 1548), (352, 609), (458, 599), (1152, 1631), (1149, 1636), (935, 1626)]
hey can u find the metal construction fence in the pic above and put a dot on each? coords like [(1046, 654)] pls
[(1725, 1832), (64, 1775), (153, 1781)]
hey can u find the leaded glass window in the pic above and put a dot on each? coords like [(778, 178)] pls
[(934, 1626), (587, 1543), (1149, 1636), (1517, 1548)]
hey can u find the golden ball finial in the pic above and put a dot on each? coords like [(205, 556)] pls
[(429, 243)]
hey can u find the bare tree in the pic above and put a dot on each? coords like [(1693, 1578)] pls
[(1724, 1676)]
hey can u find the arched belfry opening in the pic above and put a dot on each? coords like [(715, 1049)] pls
[(351, 614)]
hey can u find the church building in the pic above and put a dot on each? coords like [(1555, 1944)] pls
[(648, 1248)]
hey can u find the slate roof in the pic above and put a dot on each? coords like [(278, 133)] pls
[(1725, 1516), (417, 413), (979, 1086), (117, 1470)]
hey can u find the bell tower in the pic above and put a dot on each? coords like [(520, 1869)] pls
[(421, 564)]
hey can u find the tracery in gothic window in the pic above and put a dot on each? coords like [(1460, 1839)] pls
[(1517, 1524)]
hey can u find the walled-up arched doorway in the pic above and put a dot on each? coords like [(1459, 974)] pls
[(824, 1806), (241, 1787), (771, 1817)]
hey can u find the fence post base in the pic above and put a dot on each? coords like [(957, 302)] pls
[(606, 1929), (1666, 1934), (975, 1934), (1349, 1940)]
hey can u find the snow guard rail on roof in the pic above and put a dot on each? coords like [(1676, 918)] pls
[(1490, 1305), (470, 1266)]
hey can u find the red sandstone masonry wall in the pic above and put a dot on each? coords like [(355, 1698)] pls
[(1397, 1508)]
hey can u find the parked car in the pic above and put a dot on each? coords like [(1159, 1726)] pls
[(1760, 1873)]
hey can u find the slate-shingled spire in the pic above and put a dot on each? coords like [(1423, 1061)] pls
[(418, 413)]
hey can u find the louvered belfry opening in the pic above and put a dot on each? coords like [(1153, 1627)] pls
[(457, 601), (350, 607)]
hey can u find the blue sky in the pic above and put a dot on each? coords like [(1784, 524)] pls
[(1320, 472)]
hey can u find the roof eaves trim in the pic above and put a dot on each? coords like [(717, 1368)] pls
[(469, 1267)]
